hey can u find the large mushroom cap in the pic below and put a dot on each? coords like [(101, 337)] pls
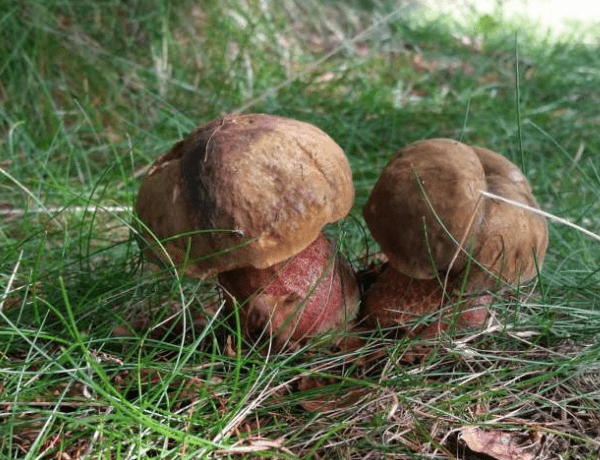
[(249, 190), (426, 198), (431, 189)]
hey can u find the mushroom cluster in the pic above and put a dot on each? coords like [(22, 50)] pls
[(245, 197), (443, 237)]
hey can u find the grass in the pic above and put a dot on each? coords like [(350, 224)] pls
[(103, 358)]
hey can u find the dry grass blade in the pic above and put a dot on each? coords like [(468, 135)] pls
[(543, 213)]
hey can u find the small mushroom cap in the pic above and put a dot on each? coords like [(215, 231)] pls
[(508, 243), (512, 241), (427, 182), (251, 190)]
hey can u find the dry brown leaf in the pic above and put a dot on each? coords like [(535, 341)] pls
[(325, 78), (491, 77), (423, 65), (501, 445), (530, 73), (336, 401), (229, 348)]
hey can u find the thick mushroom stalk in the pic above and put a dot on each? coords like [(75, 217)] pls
[(313, 292), (246, 193), (431, 220), (397, 300)]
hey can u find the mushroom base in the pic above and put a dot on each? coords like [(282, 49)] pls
[(313, 292), (396, 300)]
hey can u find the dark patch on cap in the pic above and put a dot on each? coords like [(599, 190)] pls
[(196, 182)]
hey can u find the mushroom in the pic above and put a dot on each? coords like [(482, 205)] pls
[(433, 224), (246, 197), (397, 300)]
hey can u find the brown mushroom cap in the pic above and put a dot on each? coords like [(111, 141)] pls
[(249, 190), (512, 241), (442, 179), (427, 181)]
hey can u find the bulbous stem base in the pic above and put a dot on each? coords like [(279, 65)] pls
[(420, 306)]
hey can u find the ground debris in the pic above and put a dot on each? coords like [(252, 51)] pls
[(502, 445)]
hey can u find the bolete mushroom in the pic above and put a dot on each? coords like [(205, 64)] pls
[(431, 220), (246, 197)]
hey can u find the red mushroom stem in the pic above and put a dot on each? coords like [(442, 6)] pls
[(313, 292), (397, 300)]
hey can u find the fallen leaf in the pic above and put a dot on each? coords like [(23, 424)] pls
[(335, 401), (530, 73), (488, 78), (501, 445), (326, 77), (423, 65)]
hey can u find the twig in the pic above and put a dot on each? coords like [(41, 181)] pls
[(542, 213)]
